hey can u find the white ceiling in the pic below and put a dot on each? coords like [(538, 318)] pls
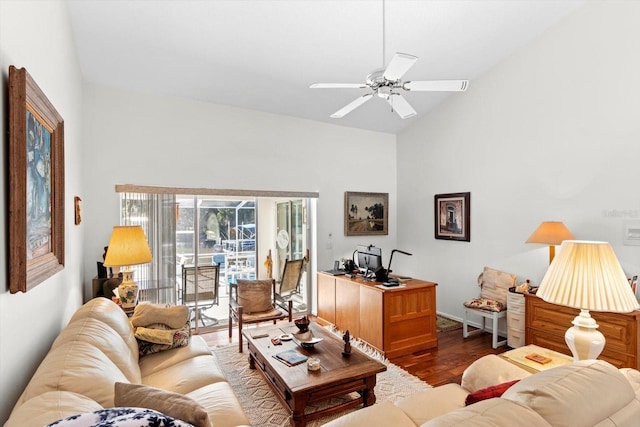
[(264, 54)]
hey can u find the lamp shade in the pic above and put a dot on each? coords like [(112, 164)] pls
[(127, 246), (587, 275), (550, 233)]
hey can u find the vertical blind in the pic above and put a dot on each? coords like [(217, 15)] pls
[(155, 213)]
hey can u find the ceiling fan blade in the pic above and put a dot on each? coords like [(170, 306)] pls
[(400, 64), (437, 85), (338, 86), (401, 106), (351, 106)]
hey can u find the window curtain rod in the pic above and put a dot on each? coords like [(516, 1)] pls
[(148, 189)]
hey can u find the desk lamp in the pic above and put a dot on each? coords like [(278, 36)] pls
[(550, 233), (587, 275), (128, 246)]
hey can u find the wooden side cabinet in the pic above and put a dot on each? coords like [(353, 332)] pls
[(395, 321), (546, 324), (326, 299)]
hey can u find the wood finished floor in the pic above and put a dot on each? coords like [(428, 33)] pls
[(437, 366)]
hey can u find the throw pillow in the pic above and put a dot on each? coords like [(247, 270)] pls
[(255, 295), (180, 339), (147, 314), (156, 336), (172, 404), (121, 417), (495, 284), (488, 393)]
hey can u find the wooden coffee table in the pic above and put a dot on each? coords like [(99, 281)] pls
[(297, 387)]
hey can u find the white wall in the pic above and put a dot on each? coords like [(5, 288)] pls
[(36, 35), (550, 134), (142, 139)]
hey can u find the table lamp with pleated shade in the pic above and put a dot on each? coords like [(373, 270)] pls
[(128, 246), (587, 275)]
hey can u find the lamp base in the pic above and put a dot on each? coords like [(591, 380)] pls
[(128, 290), (583, 339)]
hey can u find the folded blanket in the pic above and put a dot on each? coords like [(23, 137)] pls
[(148, 314)]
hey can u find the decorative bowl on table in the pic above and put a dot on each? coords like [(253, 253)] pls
[(302, 324), (306, 339)]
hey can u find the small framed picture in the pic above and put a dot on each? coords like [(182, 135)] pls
[(452, 216)]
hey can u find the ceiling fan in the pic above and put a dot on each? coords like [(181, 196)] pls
[(386, 83)]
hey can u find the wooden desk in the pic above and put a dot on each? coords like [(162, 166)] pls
[(547, 323), (396, 321)]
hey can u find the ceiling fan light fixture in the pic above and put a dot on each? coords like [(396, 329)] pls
[(382, 82)]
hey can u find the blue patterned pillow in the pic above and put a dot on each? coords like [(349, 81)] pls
[(120, 417)]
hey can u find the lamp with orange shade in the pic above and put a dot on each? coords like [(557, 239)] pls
[(550, 233), (128, 246)]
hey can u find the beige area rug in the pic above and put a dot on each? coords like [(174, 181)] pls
[(265, 410), (444, 324)]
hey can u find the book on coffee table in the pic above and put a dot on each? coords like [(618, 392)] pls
[(291, 357)]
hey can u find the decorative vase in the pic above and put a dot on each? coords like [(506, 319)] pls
[(128, 294)]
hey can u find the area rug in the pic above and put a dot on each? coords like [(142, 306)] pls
[(265, 410), (444, 324)]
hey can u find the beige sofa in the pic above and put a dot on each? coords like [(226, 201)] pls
[(582, 394), (97, 349)]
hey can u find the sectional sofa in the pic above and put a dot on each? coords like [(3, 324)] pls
[(493, 392), (98, 349)]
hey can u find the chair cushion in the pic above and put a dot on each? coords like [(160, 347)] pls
[(263, 316), (495, 284), (486, 304), (255, 295)]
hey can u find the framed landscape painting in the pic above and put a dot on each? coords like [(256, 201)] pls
[(452, 216), (366, 214), (36, 184)]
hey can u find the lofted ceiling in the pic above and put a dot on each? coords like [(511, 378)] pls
[(263, 54)]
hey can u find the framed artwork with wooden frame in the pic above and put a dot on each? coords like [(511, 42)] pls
[(366, 214), (36, 184), (452, 216)]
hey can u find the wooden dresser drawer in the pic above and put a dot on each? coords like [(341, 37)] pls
[(547, 323)]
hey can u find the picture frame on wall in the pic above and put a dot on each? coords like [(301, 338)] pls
[(366, 214), (36, 184), (452, 216)]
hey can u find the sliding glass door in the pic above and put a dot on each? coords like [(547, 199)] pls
[(199, 237), (291, 243), (215, 243)]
